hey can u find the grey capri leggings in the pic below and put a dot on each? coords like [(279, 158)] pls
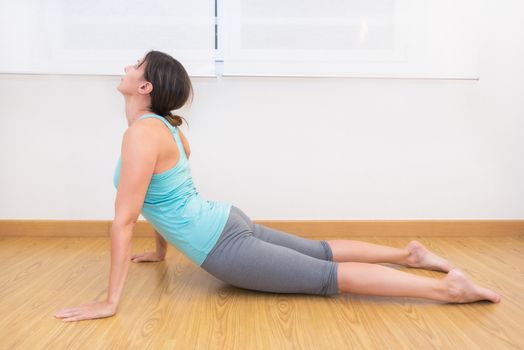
[(253, 256)]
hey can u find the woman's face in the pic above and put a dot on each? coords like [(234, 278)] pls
[(133, 81)]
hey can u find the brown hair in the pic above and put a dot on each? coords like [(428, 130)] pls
[(171, 85)]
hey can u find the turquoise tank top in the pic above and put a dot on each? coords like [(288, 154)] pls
[(176, 210)]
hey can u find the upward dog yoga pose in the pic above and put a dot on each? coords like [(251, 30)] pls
[(153, 177)]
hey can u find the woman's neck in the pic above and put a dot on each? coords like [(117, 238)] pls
[(135, 109)]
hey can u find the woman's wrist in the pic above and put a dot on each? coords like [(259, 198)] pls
[(112, 303)]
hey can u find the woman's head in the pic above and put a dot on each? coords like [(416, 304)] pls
[(163, 79)]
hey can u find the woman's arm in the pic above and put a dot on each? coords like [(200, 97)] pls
[(139, 154), (120, 257)]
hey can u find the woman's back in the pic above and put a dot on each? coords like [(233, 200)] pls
[(175, 208), (170, 153)]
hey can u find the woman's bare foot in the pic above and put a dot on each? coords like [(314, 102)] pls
[(421, 257), (461, 290)]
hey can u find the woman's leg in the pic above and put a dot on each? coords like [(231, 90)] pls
[(243, 260), (371, 279), (414, 254)]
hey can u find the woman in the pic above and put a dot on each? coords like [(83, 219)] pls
[(153, 178)]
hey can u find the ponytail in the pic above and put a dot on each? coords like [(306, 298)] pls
[(174, 119)]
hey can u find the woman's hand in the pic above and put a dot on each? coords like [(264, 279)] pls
[(147, 256), (90, 310)]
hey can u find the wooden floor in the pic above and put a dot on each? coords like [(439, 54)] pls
[(177, 305)]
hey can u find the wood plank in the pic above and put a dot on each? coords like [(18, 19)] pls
[(175, 304)]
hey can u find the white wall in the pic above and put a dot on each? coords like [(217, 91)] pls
[(289, 148)]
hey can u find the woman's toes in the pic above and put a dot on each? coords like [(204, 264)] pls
[(462, 290)]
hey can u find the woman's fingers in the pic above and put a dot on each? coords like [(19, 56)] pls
[(78, 315), (68, 312), (65, 311), (72, 310), (140, 255), (89, 310), (147, 256), (71, 319), (140, 258)]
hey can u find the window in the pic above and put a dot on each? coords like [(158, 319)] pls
[(100, 37), (395, 38), (384, 38)]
